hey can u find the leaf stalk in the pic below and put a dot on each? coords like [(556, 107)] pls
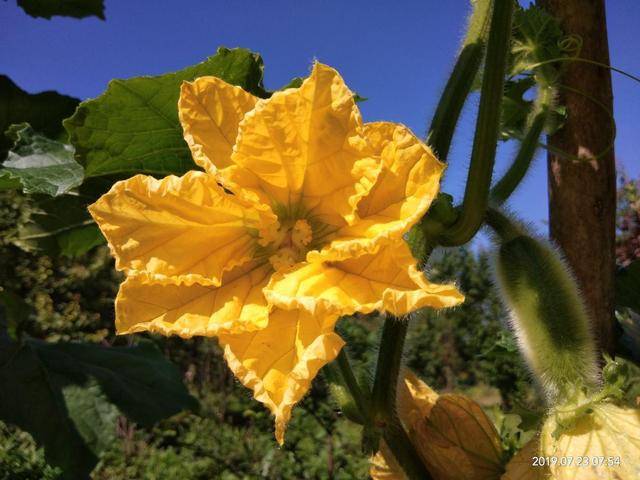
[(503, 189), (476, 197), (460, 82)]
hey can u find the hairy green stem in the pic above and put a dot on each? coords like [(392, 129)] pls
[(476, 194), (503, 189), (394, 332), (341, 392), (460, 82), (360, 399), (405, 453), (453, 99), (385, 381), (392, 432)]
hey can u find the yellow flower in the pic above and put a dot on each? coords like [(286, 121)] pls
[(521, 466), (450, 432), (602, 443), (582, 440), (297, 219)]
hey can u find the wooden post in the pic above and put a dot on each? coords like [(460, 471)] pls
[(582, 194)]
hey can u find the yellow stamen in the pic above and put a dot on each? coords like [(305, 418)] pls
[(290, 244), (283, 258), (301, 234)]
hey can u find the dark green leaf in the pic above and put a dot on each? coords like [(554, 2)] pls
[(13, 311), (52, 223), (518, 112), (358, 99), (294, 83), (41, 165), (80, 240), (69, 396), (63, 8), (43, 111), (133, 127), (628, 287), (62, 225), (30, 401), (139, 380)]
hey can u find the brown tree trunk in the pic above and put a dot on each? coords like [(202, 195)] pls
[(582, 194)]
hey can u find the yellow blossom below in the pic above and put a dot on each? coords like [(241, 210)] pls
[(604, 443), (521, 466), (451, 433), (298, 218)]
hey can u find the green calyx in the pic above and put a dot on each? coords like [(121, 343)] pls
[(548, 316)]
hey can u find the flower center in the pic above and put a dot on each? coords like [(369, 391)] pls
[(290, 244)]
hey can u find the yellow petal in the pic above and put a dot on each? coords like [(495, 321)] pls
[(179, 230), (458, 441), (608, 433), (406, 186), (302, 150), (387, 280), (210, 111), (415, 399), (384, 465), (521, 466), (451, 433), (237, 306), (279, 362)]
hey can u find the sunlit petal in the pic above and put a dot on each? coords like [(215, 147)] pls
[(210, 111), (178, 229), (279, 362), (387, 280), (523, 466), (607, 433), (237, 306), (402, 194)]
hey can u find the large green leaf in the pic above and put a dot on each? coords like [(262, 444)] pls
[(139, 380), (62, 225), (69, 396), (29, 400), (79, 241), (40, 164), (13, 311), (43, 111), (63, 8), (58, 225), (133, 126)]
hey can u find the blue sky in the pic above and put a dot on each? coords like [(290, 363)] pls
[(398, 54)]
